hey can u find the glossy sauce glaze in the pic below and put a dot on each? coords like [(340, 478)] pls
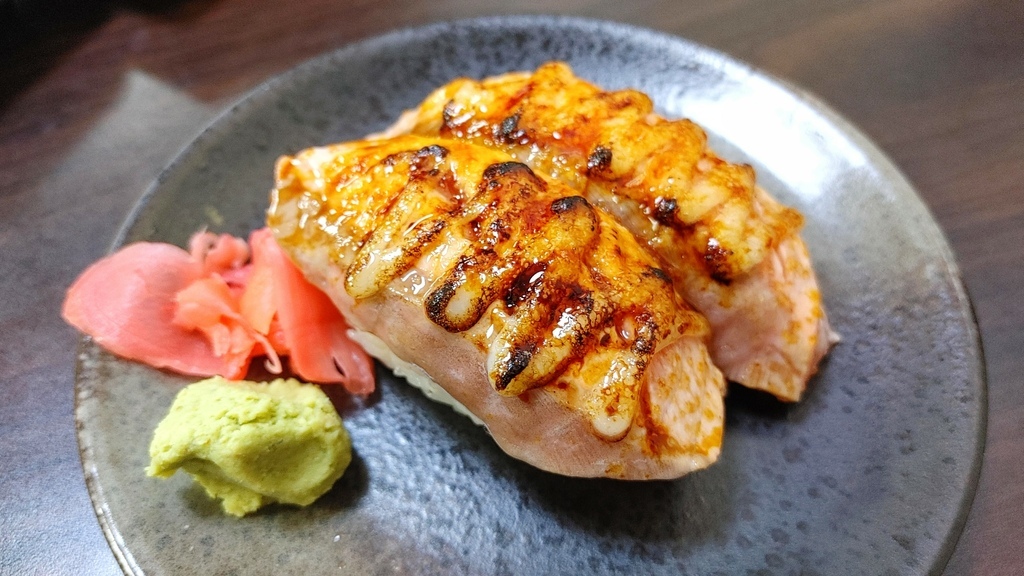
[(557, 297), (717, 234)]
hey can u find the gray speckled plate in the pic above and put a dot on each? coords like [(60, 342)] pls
[(871, 474)]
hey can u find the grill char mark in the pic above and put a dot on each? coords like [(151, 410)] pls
[(530, 251), (393, 246), (599, 160)]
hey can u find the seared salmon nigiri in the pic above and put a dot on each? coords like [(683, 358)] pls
[(534, 309), (732, 251)]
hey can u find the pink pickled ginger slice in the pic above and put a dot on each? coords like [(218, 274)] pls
[(207, 311), (126, 303), (207, 305), (314, 330), (217, 254)]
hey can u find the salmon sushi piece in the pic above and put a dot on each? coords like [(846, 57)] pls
[(733, 251), (530, 308)]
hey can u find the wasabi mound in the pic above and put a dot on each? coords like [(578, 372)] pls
[(250, 444)]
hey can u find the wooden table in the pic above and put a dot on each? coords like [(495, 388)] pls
[(95, 99)]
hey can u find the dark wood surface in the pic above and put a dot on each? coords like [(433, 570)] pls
[(96, 97)]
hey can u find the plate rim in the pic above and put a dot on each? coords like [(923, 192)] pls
[(877, 158)]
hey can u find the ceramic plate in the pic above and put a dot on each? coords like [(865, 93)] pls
[(871, 474)]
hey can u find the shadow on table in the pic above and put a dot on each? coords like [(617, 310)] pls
[(38, 32)]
